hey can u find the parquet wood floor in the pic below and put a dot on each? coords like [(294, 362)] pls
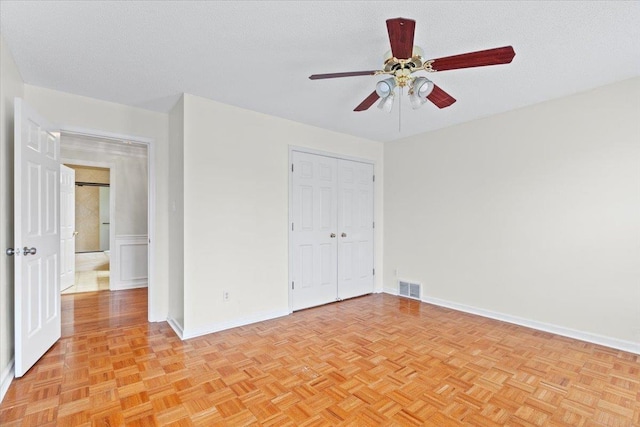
[(374, 360)]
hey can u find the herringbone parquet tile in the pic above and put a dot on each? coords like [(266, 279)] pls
[(375, 360)]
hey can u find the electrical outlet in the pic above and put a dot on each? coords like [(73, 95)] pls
[(225, 295)]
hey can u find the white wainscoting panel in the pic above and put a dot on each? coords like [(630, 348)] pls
[(131, 267)]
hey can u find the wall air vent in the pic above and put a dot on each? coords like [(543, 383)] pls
[(409, 290)]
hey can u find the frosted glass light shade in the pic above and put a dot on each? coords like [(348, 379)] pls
[(420, 89), (386, 103), (385, 87), (416, 101), (422, 86)]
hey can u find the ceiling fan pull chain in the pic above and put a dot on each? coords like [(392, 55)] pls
[(400, 112)]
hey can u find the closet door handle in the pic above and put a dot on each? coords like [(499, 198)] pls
[(332, 235), (343, 235)]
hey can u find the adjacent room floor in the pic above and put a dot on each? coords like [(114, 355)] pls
[(92, 273), (374, 360)]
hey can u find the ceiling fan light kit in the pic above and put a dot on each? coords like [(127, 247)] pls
[(404, 59)]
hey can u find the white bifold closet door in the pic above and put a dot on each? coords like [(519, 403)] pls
[(355, 228), (331, 229)]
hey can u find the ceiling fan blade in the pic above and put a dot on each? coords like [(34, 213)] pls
[(401, 31), (481, 58), (440, 98), (347, 74), (368, 102)]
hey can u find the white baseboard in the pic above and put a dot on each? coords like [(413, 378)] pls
[(221, 326), (392, 291), (5, 379), (541, 326), (130, 285), (176, 327)]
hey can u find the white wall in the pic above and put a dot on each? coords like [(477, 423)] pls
[(176, 216), (11, 86), (534, 213), (87, 113), (236, 177)]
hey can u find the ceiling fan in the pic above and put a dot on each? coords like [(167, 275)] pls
[(404, 59)]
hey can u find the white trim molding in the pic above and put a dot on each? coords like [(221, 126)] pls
[(541, 326), (175, 325), (94, 133), (96, 144), (630, 346), (131, 266), (6, 378)]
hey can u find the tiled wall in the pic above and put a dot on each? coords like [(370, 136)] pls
[(88, 207)]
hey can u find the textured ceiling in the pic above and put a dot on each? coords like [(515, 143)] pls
[(258, 55)]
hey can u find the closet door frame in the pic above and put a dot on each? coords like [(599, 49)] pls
[(338, 156)]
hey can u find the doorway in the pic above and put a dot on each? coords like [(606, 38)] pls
[(112, 189), (331, 232), (85, 252)]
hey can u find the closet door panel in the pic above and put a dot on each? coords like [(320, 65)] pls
[(355, 228), (314, 200)]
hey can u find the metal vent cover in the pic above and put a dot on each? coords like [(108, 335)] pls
[(409, 290)]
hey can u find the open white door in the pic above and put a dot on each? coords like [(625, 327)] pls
[(37, 238), (67, 227)]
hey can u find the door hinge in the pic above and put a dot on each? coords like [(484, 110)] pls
[(374, 224), (291, 167), (293, 286), (291, 226), (374, 178), (374, 271)]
